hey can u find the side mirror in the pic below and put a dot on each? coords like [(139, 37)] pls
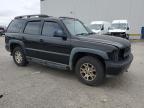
[(102, 28), (60, 33), (128, 28)]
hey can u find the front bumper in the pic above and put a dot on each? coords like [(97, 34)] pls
[(118, 67)]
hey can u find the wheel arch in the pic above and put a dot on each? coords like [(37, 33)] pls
[(15, 43), (78, 53)]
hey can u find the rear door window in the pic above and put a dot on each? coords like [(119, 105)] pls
[(33, 27)]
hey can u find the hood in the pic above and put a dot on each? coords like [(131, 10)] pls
[(106, 39), (117, 31)]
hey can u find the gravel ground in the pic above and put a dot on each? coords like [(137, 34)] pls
[(37, 86)]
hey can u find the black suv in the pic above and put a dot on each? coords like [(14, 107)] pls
[(67, 44)]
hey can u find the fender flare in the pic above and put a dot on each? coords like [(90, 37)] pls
[(86, 50), (16, 42)]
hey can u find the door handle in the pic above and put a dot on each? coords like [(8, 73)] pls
[(41, 40)]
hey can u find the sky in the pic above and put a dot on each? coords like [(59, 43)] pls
[(11, 8)]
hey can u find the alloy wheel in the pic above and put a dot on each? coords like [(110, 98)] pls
[(88, 71), (18, 57)]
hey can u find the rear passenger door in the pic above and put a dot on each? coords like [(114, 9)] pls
[(31, 38), (55, 49)]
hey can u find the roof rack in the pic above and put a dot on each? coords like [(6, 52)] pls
[(32, 16)]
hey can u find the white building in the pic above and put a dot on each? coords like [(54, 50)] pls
[(106, 10)]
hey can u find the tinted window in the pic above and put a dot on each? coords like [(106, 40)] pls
[(15, 26), (50, 28), (33, 27), (75, 27)]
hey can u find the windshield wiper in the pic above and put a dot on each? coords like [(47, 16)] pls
[(91, 33), (82, 34)]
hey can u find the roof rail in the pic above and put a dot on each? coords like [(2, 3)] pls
[(67, 17), (32, 16)]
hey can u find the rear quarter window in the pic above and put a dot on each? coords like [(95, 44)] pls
[(15, 26)]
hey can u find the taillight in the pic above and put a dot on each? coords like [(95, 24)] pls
[(6, 39)]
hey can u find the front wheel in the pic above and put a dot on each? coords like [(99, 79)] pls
[(90, 70), (19, 56)]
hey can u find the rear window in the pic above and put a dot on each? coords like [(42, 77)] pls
[(33, 27), (15, 26)]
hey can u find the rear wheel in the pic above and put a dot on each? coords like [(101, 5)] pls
[(19, 57), (90, 70)]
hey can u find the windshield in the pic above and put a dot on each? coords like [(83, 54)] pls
[(119, 26), (75, 27), (96, 26)]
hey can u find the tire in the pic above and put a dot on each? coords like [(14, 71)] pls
[(19, 57), (97, 75)]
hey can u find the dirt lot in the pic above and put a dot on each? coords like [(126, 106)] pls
[(37, 86)]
